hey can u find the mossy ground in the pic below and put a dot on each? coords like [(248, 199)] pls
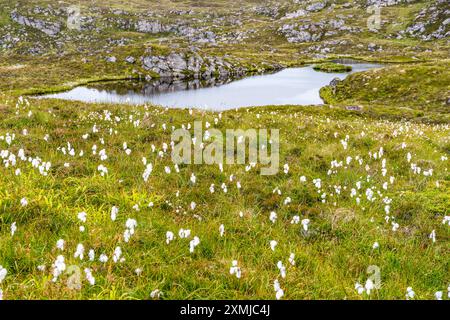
[(332, 67)]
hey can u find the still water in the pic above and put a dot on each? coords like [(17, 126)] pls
[(293, 86)]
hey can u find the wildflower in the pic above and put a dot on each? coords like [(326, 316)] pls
[(60, 244), (279, 293), (155, 294), (446, 220), (103, 258), (359, 288), (273, 244), (292, 259), (89, 276), (138, 271), (295, 220), (117, 254), (103, 170), (24, 202), (182, 233), (91, 255), (410, 293), (369, 286), (82, 216), (114, 212), (282, 269), (1, 294), (395, 226), (375, 245), (302, 179), (58, 267), (79, 252), (3, 273), (193, 243), (235, 269), (305, 223), (147, 172), (169, 236), (222, 230), (41, 268), (438, 295), (13, 228), (273, 217)]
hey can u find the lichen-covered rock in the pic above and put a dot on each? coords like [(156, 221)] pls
[(47, 27)]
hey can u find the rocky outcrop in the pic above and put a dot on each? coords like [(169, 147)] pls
[(314, 31), (150, 27), (317, 6), (192, 65), (49, 28), (432, 22)]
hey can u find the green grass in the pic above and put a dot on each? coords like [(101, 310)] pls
[(332, 67), (330, 258)]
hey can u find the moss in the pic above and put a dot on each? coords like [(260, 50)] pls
[(332, 67)]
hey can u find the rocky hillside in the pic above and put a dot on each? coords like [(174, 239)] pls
[(187, 39)]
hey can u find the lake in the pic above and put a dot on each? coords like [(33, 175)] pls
[(292, 86)]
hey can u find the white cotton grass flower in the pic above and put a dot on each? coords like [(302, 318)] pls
[(130, 224), (446, 220), (279, 293), (103, 258), (273, 244), (91, 255), (60, 244), (367, 288), (221, 230), (193, 243), (234, 269), (89, 276), (295, 220), (114, 212), (156, 294), (282, 269), (58, 267), (292, 259), (82, 216), (147, 172), (79, 253), (169, 236), (24, 202), (13, 228), (184, 233), (273, 217), (395, 226), (117, 255), (305, 223), (410, 294), (3, 273)]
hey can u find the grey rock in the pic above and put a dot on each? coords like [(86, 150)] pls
[(130, 59), (49, 28), (316, 6), (149, 26)]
